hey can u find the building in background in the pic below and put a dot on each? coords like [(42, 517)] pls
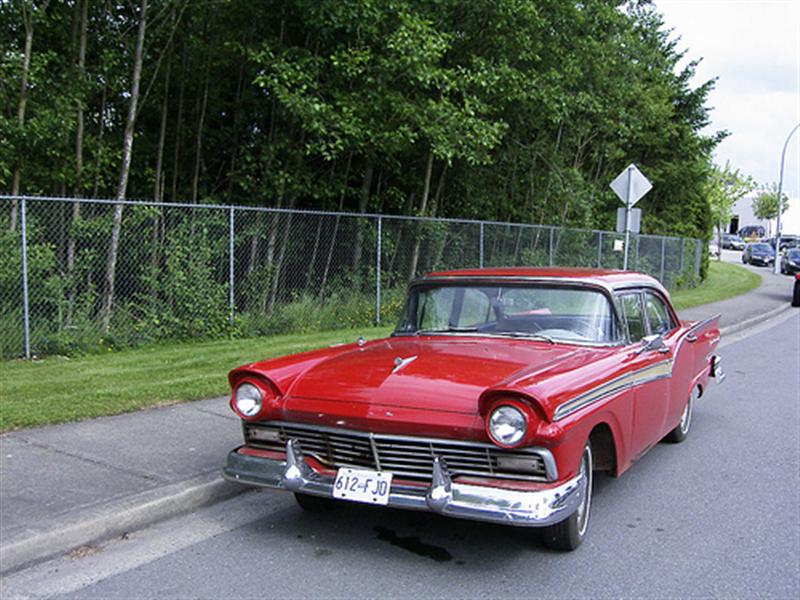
[(742, 216)]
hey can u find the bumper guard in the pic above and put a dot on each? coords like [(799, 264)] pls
[(479, 503)]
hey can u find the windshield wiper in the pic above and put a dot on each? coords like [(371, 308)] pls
[(522, 334), (448, 329)]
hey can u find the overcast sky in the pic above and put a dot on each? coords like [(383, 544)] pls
[(753, 46)]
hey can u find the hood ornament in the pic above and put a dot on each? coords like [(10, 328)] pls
[(399, 363)]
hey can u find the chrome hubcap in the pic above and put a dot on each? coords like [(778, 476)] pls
[(686, 417), (586, 502)]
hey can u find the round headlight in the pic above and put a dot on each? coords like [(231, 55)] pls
[(507, 425), (248, 400)]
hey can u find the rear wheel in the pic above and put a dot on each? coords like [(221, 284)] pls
[(314, 504), (796, 294), (569, 533), (681, 431)]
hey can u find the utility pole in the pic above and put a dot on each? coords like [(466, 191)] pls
[(776, 267)]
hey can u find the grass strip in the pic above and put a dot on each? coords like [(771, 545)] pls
[(724, 280), (58, 389)]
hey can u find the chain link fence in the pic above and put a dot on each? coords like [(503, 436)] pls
[(188, 271)]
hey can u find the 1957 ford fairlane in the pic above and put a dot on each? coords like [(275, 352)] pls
[(496, 397)]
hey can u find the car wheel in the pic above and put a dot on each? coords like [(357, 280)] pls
[(796, 294), (569, 533), (681, 431), (315, 504), (744, 260)]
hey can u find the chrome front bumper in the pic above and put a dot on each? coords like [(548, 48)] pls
[(443, 496)]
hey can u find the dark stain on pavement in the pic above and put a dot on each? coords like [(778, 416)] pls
[(413, 544)]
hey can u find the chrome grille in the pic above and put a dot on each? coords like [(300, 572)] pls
[(407, 457)]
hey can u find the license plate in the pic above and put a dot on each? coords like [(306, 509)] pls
[(362, 485)]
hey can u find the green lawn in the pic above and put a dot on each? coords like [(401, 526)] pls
[(724, 280), (57, 389)]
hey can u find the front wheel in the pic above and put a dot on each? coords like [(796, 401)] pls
[(796, 294), (569, 533)]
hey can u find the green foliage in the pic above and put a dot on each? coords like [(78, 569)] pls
[(505, 110), (765, 204), (725, 187)]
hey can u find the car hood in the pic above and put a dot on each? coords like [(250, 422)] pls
[(441, 373)]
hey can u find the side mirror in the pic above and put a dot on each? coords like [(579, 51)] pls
[(653, 342)]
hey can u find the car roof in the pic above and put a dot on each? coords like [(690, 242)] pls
[(608, 278)]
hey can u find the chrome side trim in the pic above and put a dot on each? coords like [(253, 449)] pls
[(654, 372)]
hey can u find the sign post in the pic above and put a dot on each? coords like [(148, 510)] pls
[(630, 186)]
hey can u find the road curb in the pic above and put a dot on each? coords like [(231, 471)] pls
[(113, 519), (747, 323)]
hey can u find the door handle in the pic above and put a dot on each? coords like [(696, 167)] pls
[(691, 338)]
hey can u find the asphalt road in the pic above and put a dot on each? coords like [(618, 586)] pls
[(718, 516)]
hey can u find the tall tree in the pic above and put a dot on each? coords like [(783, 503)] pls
[(726, 186), (766, 205), (124, 172)]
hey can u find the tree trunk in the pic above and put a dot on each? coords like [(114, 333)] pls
[(99, 160), (77, 190), (335, 227), (363, 200), (199, 141), (127, 154), (27, 17), (158, 185), (237, 110), (176, 155), (426, 189)]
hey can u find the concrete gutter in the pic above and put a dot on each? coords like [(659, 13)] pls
[(113, 519)]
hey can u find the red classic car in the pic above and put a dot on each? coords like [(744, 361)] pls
[(496, 397)]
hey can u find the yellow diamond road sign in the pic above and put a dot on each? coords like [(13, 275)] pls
[(631, 185)]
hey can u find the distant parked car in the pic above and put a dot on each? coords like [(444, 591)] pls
[(732, 241), (759, 253), (790, 261), (752, 233), (787, 241)]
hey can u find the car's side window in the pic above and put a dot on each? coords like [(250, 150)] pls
[(634, 315), (657, 314)]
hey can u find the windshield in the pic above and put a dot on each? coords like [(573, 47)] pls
[(762, 247), (794, 254), (556, 314)]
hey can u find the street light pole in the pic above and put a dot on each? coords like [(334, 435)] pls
[(776, 268)]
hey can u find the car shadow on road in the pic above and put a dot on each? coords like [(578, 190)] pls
[(363, 531)]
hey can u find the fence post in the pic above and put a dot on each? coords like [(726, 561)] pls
[(600, 250), (230, 264), (550, 260), (636, 256), (378, 274), (683, 251), (663, 256), (24, 256), (481, 242), (698, 248)]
